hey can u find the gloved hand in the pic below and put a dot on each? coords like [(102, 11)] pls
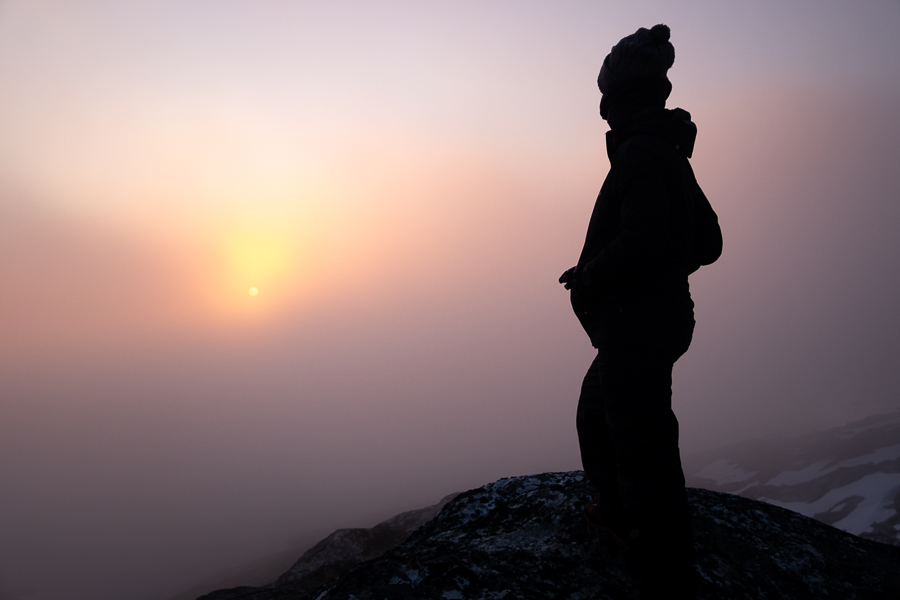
[(569, 278), (581, 277)]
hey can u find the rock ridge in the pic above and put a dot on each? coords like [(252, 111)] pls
[(524, 537)]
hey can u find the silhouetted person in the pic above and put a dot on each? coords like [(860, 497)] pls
[(651, 227)]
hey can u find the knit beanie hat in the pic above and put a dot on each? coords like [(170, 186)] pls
[(639, 60)]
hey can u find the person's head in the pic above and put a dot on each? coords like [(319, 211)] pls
[(634, 72)]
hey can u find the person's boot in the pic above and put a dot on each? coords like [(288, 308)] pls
[(661, 566), (600, 522)]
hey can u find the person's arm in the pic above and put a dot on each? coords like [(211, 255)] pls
[(644, 226)]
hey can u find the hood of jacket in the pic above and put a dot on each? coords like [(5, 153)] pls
[(673, 125)]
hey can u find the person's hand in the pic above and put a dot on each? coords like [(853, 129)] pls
[(580, 277), (569, 278)]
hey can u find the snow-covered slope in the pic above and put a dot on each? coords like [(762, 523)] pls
[(848, 477)]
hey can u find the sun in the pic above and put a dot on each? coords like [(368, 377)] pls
[(253, 291)]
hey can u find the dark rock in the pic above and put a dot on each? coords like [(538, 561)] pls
[(525, 537)]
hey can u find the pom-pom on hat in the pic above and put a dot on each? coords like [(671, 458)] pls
[(645, 54)]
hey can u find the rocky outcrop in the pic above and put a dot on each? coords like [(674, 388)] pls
[(525, 537)]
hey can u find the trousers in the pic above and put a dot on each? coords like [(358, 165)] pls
[(628, 437)]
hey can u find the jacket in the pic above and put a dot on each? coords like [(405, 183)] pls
[(651, 227)]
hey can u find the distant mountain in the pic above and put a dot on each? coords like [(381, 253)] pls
[(259, 571), (847, 477), (320, 558), (525, 537), (346, 548)]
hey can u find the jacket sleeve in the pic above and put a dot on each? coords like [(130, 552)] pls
[(644, 226)]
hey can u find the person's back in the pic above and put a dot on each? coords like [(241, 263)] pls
[(651, 227)]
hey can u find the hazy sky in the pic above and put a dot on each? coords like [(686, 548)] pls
[(403, 182)]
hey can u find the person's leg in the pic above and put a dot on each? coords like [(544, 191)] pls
[(598, 456), (636, 388)]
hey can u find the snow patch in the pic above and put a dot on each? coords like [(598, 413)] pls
[(724, 471), (818, 468), (414, 577), (807, 473), (883, 421), (746, 487), (878, 491), (877, 456)]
